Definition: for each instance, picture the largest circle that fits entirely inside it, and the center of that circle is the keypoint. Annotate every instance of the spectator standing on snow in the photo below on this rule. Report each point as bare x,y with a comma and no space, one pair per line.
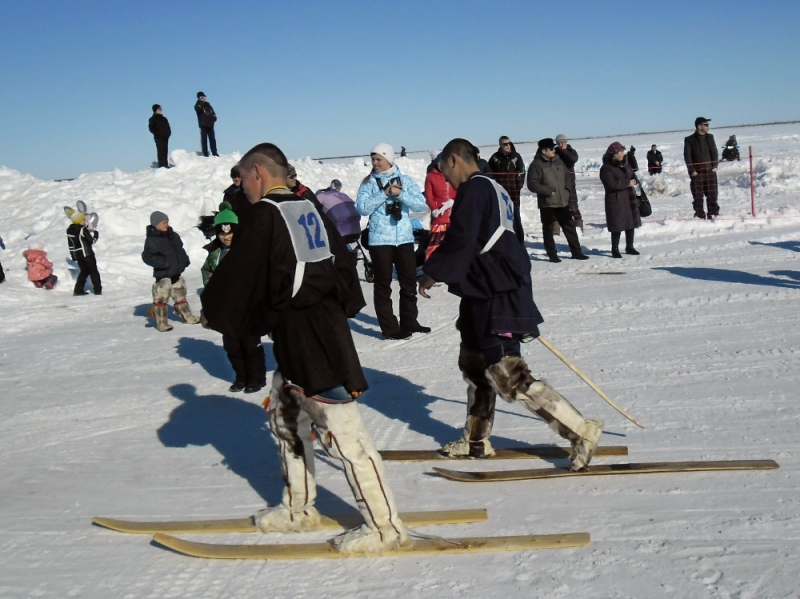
81,241
439,195
2,274
301,190
622,212
508,169
550,179
387,196
631,156
206,117
655,160
245,352
569,157
301,294
159,127
701,158
483,260
163,250
234,195
40,269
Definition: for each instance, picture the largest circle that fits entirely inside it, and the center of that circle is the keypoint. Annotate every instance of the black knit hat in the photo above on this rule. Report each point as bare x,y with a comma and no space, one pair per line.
199,94
156,107
547,143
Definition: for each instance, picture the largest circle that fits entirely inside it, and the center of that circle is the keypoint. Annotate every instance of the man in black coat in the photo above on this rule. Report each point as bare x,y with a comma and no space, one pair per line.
483,260
655,160
206,117
235,195
508,169
289,274
701,157
569,157
159,127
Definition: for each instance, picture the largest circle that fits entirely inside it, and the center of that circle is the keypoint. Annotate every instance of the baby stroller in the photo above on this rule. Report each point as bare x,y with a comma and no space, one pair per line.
341,210
731,149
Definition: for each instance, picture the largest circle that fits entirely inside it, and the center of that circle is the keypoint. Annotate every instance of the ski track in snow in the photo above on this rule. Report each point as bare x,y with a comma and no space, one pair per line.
698,339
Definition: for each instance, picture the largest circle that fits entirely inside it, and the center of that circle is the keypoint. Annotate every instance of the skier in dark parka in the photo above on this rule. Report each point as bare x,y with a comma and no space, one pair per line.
483,260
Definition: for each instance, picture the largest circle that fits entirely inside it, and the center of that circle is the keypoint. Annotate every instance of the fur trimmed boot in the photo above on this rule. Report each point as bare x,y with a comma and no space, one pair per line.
159,312
183,310
513,380
282,519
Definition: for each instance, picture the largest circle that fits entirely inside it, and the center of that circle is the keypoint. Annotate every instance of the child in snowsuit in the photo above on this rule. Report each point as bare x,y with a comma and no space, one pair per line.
163,250
80,240
245,352
40,269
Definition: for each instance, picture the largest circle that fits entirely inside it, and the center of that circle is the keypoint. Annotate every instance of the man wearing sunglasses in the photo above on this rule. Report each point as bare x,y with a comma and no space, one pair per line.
701,157
508,169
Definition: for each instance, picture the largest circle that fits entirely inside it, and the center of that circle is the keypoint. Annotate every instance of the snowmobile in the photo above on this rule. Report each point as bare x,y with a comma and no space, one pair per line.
731,149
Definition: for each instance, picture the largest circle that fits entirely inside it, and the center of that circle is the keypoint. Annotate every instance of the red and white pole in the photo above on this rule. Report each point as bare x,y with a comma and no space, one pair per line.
752,185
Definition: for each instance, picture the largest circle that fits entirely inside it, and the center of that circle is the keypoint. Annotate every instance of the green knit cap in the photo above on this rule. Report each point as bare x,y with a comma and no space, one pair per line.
226,216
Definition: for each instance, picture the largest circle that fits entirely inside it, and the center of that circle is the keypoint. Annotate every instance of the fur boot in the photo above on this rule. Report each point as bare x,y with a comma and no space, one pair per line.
512,380
481,398
181,305
159,313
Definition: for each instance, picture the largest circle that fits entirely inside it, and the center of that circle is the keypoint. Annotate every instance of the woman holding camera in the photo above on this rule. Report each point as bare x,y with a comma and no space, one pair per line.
387,196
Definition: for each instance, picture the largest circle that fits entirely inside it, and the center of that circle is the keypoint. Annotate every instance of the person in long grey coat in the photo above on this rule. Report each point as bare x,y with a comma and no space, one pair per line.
622,213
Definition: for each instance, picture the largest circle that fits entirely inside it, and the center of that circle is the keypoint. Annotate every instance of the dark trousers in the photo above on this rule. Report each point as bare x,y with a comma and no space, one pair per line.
653,170
2,274
403,259
628,239
206,135
161,151
573,201
88,266
705,184
564,218
246,355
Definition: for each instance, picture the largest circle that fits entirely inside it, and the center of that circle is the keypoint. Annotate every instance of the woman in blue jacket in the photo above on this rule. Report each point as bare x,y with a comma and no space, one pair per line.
387,196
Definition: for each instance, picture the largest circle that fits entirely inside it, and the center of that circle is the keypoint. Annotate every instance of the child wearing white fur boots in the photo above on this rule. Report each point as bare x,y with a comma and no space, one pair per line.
163,250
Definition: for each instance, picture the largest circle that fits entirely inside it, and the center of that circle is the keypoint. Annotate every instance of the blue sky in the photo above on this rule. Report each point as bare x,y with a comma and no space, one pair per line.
334,78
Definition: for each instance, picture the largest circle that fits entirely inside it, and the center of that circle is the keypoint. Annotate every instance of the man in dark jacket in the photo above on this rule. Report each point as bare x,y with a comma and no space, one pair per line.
655,160
159,127
631,156
288,274
483,260
163,250
701,157
235,195
550,180
508,169
569,157
206,117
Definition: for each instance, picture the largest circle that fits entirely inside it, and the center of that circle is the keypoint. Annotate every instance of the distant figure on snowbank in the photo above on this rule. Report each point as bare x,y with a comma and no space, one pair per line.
159,127
701,157
206,117
40,269
655,160
2,274
403,153
163,250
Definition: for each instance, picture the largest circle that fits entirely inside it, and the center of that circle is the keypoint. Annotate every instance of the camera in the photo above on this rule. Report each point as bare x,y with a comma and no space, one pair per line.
395,210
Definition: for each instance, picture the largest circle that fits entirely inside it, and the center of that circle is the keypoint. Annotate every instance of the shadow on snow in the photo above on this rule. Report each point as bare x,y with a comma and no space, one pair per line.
721,275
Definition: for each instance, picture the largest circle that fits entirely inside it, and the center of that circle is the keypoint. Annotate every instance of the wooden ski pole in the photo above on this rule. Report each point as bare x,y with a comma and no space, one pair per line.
587,380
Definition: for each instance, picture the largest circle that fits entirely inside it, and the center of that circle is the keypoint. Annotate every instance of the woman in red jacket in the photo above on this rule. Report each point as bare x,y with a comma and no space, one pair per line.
439,195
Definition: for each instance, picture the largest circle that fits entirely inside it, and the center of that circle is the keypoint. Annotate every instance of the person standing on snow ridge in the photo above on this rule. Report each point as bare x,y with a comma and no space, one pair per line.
701,158
290,275
439,195
159,127
550,180
245,352
2,274
483,260
80,241
387,196
569,157
655,160
206,117
508,169
163,250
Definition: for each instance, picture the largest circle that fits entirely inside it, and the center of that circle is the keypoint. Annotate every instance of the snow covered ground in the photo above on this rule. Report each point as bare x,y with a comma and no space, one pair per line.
100,414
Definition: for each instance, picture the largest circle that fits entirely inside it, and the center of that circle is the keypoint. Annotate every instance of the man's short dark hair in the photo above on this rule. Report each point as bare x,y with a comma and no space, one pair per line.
267,155
460,147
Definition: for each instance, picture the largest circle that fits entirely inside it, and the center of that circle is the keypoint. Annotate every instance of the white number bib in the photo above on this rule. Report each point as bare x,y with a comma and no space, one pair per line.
308,235
506,208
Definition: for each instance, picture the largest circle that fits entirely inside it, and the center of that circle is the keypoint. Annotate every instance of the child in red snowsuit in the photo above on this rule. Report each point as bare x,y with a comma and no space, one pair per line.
40,269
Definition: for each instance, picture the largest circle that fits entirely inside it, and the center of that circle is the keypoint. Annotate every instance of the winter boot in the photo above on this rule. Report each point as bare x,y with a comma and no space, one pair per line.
178,292
160,314
512,380
237,385
615,253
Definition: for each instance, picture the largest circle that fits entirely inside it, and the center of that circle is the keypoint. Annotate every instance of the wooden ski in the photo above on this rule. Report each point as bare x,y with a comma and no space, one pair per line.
511,453
632,468
416,547
343,521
